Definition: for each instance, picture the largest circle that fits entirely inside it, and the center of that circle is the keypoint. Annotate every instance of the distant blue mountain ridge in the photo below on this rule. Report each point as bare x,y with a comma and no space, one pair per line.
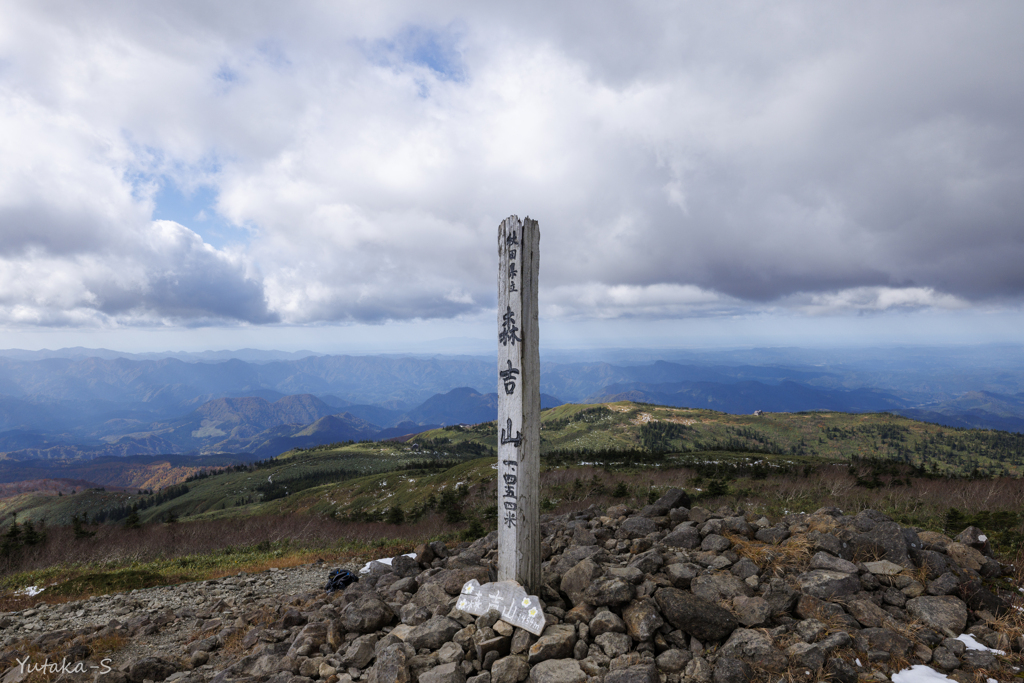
82,405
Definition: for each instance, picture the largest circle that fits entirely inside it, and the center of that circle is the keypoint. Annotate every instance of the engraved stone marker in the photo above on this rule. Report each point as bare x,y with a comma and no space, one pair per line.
509,598
518,403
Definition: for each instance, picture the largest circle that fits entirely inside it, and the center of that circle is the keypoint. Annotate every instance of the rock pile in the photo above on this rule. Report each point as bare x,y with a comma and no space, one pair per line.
667,593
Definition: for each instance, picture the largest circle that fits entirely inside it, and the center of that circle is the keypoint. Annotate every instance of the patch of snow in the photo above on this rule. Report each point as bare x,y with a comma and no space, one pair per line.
919,673
982,538
383,560
30,591
972,644
858,662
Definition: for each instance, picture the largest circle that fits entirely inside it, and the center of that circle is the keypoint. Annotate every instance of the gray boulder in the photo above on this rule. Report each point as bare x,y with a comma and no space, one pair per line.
719,586
556,642
944,613
638,673
828,585
642,620
885,540
696,616
732,670
755,647
606,622
611,591
557,671
445,673
433,633
151,668
636,527
366,615
577,580
511,669
684,537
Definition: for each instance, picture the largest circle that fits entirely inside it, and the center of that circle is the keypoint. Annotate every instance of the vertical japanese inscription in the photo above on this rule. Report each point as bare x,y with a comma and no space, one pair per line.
518,377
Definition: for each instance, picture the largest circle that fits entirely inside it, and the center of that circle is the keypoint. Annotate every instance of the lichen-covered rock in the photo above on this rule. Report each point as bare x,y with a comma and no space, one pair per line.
752,611
870,640
511,669
806,655
392,665
638,673
673,660
886,539
556,642
647,562
828,585
756,648
642,620
868,613
557,671
673,498
719,586
636,527
732,670
965,556
360,653
606,622
683,537
696,616
445,673
946,614
824,560
577,580
682,574
150,668
715,543
611,591
433,633
366,615
613,644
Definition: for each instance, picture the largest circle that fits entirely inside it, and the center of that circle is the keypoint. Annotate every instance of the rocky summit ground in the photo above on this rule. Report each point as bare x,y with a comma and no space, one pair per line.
668,593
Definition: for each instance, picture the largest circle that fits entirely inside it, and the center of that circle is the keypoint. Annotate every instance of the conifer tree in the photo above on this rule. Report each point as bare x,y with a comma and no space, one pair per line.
132,522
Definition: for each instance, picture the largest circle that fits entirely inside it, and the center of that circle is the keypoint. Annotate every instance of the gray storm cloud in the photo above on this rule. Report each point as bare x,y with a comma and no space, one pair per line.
683,159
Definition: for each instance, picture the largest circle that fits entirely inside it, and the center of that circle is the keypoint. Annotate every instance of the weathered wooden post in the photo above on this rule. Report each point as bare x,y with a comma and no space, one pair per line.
518,403
518,437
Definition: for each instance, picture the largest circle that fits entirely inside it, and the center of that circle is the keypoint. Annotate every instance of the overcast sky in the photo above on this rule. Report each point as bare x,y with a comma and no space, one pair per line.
325,174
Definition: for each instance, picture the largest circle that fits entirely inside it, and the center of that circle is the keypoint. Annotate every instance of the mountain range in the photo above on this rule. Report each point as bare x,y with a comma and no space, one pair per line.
76,403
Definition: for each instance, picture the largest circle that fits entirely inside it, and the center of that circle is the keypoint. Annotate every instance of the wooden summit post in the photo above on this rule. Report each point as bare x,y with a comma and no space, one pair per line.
518,403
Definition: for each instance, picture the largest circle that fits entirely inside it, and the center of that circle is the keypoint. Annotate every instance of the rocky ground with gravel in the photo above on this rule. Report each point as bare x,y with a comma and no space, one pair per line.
670,593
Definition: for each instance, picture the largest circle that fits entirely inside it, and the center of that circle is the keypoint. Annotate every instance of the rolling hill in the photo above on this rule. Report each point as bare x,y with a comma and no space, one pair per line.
613,435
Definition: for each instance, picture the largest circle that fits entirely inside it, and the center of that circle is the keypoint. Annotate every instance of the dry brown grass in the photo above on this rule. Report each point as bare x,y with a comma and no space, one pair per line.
108,644
793,554
1011,624
308,537
233,644
100,647
13,603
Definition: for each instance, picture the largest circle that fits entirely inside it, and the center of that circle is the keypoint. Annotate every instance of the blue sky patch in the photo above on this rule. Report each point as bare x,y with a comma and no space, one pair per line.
196,210
435,49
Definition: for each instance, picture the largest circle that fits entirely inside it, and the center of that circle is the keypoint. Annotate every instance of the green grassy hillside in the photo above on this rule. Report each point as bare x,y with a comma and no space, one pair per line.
379,476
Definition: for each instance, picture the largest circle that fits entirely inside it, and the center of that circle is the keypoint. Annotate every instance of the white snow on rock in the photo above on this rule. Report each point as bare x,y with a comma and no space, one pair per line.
982,537
972,644
919,673
383,560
